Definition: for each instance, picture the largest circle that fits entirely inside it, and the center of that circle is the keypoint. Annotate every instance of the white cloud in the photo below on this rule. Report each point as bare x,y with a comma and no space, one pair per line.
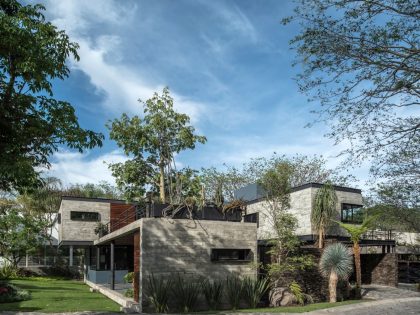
72,167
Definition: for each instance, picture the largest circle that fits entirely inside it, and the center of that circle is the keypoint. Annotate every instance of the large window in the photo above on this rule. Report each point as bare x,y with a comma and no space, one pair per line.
230,254
351,213
84,216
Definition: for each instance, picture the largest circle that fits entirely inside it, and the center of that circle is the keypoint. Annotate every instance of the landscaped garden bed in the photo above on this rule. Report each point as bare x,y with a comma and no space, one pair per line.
53,295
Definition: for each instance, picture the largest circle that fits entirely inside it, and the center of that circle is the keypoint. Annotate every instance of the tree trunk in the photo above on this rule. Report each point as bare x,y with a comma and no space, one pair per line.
321,238
162,182
332,287
356,252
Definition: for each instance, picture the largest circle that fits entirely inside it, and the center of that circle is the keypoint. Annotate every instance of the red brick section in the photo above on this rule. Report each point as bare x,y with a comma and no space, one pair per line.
121,215
136,265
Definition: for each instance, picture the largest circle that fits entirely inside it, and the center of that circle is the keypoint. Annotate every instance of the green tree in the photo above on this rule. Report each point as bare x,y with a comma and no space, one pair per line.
356,232
336,263
324,210
101,190
33,124
360,60
152,141
19,232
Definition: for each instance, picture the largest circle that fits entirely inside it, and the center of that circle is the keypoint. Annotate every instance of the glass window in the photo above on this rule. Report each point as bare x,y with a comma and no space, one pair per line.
84,216
351,213
229,254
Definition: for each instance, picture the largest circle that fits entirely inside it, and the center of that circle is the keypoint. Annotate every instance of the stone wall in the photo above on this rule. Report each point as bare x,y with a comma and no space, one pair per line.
70,230
380,269
182,246
301,202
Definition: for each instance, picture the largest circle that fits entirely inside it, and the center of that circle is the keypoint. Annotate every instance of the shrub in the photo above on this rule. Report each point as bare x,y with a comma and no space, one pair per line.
212,292
129,293
10,293
234,289
158,291
297,292
186,293
129,277
254,290
8,271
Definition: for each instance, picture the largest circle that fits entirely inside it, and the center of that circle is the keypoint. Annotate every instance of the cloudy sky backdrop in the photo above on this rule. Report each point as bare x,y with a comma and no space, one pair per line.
227,64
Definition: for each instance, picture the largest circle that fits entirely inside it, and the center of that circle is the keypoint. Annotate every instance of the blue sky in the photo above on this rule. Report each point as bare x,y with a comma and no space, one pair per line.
227,64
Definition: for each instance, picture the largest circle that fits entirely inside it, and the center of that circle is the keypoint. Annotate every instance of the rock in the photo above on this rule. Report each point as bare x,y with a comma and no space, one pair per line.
281,296
288,299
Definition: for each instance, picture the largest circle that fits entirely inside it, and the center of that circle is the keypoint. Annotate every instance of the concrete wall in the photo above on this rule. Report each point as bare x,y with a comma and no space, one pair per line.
301,203
380,269
183,246
70,230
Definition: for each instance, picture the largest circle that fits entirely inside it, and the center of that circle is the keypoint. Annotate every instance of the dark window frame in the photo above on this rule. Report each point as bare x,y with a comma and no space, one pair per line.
349,207
231,255
85,216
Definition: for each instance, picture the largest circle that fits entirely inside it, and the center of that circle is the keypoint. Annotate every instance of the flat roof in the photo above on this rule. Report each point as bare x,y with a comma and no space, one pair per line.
318,185
97,200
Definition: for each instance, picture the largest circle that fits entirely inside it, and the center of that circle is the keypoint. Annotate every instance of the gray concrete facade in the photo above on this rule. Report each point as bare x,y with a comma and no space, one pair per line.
301,203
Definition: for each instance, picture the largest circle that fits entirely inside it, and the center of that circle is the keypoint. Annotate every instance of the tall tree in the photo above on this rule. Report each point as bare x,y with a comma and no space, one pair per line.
33,123
324,210
361,61
356,232
152,141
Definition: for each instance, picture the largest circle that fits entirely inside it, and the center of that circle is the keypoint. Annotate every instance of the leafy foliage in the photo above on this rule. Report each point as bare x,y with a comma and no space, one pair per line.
185,292
324,210
213,292
33,124
234,288
356,231
158,291
152,141
8,271
297,292
360,60
336,258
10,293
254,289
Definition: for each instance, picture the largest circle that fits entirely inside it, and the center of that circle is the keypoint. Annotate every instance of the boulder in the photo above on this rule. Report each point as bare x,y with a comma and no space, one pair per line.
281,296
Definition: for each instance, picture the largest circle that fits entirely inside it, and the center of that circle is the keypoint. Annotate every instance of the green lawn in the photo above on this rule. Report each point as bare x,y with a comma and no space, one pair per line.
299,309
50,295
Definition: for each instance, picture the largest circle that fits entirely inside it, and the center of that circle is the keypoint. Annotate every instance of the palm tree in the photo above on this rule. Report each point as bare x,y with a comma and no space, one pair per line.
324,210
356,232
336,263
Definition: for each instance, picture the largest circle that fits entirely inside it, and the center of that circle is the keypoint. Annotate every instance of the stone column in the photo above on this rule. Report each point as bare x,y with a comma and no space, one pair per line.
136,278
112,266
71,256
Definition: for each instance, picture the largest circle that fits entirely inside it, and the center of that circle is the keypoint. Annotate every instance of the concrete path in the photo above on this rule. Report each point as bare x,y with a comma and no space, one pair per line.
379,292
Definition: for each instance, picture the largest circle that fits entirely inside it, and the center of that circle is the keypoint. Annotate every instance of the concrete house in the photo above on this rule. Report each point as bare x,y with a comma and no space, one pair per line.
139,239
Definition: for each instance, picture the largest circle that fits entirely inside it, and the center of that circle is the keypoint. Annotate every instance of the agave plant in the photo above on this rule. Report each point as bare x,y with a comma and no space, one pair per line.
336,263
234,288
158,290
254,290
185,292
212,292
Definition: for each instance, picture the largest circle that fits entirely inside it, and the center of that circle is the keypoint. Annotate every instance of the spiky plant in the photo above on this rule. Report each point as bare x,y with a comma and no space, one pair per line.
158,290
324,210
185,292
254,290
234,289
336,263
356,232
212,292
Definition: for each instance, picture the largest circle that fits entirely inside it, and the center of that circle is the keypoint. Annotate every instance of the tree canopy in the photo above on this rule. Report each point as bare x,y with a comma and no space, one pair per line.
360,60
151,141
33,124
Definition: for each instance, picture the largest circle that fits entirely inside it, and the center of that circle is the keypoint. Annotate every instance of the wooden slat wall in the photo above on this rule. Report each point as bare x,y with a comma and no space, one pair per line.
120,216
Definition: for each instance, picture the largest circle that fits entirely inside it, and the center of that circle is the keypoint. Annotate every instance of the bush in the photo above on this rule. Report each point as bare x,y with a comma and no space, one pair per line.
297,292
212,292
158,291
254,290
10,293
186,292
129,277
129,293
8,271
234,288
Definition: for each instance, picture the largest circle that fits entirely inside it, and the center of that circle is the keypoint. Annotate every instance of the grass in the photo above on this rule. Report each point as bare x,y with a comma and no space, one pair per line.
54,295
299,309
